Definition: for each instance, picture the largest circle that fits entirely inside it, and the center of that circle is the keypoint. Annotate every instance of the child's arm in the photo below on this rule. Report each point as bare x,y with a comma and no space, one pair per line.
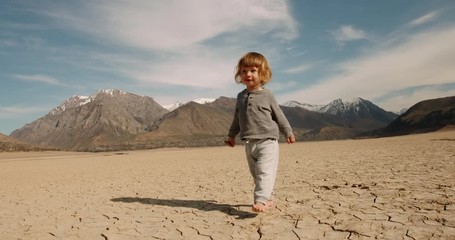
234,129
282,121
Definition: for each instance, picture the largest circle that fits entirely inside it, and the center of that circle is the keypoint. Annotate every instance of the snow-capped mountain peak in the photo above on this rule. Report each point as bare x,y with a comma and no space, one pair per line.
306,106
203,100
77,100
354,100
73,101
172,107
342,105
335,107
111,92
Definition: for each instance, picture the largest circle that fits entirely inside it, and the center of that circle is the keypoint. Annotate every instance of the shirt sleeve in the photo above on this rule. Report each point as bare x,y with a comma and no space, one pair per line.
280,118
235,126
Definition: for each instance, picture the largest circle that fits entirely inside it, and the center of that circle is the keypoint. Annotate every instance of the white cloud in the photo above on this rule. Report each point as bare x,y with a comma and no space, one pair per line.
175,24
210,72
172,36
424,19
298,69
348,33
199,67
37,78
423,59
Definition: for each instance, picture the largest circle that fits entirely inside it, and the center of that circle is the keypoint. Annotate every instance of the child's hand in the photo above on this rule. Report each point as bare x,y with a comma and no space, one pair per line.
230,142
291,139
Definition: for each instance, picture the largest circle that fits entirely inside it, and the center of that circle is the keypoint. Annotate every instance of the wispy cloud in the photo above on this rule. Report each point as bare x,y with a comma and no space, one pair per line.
22,26
178,40
298,69
16,111
424,19
421,59
37,78
348,33
173,25
209,72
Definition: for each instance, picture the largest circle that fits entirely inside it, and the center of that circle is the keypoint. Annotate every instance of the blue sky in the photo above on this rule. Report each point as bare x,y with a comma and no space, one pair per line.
393,53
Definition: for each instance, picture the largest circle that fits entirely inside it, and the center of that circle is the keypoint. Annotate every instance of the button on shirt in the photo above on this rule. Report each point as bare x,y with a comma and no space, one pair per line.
258,116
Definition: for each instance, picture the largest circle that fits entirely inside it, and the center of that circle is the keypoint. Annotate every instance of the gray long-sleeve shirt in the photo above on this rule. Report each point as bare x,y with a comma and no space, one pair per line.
258,116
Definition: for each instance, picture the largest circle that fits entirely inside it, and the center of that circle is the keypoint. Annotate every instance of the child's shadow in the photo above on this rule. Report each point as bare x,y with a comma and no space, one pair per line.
197,204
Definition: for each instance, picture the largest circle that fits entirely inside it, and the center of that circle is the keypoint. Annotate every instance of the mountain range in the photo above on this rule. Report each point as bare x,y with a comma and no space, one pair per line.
425,116
112,120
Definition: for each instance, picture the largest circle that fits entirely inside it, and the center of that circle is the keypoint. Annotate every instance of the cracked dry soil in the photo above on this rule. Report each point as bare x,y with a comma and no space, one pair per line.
390,188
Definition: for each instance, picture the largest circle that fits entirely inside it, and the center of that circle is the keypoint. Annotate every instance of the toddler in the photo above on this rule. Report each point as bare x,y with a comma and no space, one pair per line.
259,120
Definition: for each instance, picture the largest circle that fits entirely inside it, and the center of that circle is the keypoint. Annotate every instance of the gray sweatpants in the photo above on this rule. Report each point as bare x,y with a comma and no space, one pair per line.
262,156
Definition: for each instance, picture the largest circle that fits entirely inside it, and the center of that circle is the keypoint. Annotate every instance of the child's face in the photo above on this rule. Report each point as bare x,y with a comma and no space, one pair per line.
250,77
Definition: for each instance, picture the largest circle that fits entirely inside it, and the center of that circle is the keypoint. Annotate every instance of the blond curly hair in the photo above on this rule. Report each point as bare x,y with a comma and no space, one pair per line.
254,59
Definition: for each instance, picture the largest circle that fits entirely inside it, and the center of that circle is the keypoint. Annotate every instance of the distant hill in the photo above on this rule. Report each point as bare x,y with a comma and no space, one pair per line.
8,144
426,116
307,124
192,124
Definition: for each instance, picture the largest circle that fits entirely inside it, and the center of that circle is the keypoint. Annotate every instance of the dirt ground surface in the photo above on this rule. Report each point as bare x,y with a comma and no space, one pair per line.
388,188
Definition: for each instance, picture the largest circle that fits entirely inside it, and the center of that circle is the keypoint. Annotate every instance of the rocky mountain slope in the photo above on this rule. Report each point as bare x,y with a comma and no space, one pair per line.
426,116
357,112
172,107
108,116
339,119
192,124
310,107
309,125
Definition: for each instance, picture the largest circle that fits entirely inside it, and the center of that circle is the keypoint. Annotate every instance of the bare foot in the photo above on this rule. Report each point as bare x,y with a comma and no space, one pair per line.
261,207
